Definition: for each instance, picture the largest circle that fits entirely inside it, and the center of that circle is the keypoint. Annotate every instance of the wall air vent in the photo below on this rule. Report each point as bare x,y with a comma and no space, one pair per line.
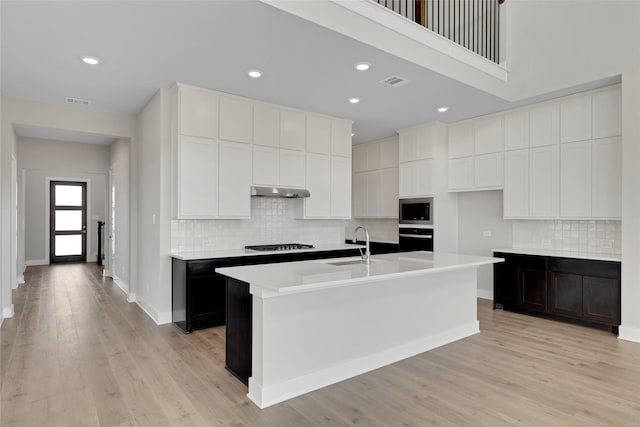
77,101
395,81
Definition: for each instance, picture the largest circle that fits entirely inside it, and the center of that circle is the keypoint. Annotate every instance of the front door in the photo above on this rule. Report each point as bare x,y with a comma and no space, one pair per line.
68,223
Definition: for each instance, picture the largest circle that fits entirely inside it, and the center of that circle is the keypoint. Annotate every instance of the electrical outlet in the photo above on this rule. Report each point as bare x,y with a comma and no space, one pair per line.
486,233
607,244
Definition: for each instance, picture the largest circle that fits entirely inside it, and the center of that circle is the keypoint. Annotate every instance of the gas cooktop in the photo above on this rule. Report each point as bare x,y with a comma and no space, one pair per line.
278,247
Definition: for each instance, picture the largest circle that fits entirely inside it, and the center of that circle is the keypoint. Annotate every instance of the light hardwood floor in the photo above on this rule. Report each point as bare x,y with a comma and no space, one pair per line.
76,353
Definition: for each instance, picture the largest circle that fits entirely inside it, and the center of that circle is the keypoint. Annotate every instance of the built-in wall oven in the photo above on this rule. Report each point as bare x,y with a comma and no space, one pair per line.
415,239
415,231
416,211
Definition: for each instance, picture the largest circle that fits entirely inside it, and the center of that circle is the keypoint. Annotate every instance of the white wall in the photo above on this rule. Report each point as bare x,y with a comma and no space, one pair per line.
118,212
479,212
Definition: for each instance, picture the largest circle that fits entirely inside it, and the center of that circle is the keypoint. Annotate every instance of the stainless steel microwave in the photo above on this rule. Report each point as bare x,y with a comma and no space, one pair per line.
416,211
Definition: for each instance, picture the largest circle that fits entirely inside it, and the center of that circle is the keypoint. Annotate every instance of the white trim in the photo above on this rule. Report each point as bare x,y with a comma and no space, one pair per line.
8,312
31,262
161,318
264,397
21,280
629,333
107,273
485,294
131,297
121,284
404,26
47,200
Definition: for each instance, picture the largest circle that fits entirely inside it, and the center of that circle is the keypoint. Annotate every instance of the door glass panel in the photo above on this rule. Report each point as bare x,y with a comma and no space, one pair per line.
68,220
69,245
68,195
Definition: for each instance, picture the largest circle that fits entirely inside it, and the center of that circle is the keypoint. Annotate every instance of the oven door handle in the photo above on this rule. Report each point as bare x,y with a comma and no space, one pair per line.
416,236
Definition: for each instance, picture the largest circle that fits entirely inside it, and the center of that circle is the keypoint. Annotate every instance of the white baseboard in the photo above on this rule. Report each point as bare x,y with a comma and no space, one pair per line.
485,294
21,280
36,262
276,393
121,284
8,312
161,318
107,273
629,333
131,297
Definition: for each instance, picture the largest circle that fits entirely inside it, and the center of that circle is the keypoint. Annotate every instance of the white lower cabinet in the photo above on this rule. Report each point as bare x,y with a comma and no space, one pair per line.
606,187
340,187
516,184
575,180
234,180
197,180
543,182
416,178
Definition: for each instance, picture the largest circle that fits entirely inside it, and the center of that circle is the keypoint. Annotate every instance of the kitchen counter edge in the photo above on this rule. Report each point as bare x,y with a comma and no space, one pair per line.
561,254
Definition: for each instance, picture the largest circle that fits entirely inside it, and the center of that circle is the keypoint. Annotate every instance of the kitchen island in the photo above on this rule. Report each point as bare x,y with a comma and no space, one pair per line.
309,324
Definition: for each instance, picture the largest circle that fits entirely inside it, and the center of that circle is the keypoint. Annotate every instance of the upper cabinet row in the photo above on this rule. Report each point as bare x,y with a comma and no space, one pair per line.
224,144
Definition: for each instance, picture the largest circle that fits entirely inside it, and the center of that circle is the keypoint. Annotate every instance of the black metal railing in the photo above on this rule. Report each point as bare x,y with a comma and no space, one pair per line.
473,24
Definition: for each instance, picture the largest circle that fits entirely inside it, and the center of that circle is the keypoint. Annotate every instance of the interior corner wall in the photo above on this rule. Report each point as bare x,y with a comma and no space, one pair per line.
7,151
445,212
480,212
118,246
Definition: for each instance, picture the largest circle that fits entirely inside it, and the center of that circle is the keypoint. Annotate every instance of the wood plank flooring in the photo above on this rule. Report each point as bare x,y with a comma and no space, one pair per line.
77,354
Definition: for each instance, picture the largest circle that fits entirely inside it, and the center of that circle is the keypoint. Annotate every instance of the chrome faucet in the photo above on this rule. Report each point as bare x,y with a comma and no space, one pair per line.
366,256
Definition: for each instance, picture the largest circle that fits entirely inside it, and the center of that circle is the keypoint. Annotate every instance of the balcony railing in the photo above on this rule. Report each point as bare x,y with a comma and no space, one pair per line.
473,24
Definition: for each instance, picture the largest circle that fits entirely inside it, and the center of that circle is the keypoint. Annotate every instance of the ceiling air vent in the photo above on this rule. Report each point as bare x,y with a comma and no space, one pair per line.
395,81
77,101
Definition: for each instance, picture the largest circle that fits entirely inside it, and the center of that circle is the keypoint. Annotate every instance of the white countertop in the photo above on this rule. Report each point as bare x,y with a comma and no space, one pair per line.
303,276
227,253
561,254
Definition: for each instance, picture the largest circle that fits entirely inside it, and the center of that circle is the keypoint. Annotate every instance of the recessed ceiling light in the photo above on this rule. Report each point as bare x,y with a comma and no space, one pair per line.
362,66
442,109
354,100
91,60
254,73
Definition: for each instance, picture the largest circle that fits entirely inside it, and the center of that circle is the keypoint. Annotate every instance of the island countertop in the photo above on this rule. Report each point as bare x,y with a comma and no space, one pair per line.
302,276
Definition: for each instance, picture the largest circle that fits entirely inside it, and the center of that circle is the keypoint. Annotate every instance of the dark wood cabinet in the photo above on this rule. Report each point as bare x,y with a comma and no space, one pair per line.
584,291
238,333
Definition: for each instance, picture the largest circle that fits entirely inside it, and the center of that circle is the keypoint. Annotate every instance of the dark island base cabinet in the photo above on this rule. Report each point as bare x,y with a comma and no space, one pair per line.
238,333
574,290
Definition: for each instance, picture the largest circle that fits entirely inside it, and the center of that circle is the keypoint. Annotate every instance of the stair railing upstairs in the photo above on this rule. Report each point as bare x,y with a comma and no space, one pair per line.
473,24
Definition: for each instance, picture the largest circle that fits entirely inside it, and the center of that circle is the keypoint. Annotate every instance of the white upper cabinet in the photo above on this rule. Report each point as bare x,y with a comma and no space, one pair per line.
575,119
606,187
575,180
543,182
460,174
292,130
460,140
340,187
375,179
488,171
266,125
266,165
319,185
236,120
372,151
544,125
360,194
234,180
198,113
607,113
197,186
389,153
416,178
359,158
318,134
487,135
516,184
388,193
341,138
292,168
414,144
516,130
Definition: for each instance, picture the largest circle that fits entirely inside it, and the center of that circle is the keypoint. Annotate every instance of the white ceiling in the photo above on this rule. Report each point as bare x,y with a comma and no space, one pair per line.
148,45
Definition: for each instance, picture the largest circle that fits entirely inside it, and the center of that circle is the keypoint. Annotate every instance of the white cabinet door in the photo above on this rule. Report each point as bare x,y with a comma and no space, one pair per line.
575,179
408,145
607,113
319,185
340,187
460,174
318,134
360,194
389,153
606,178
373,156
543,125
292,168
460,140
487,135
234,180
488,171
266,164
266,125
292,130
341,138
543,182
516,130
425,177
197,177
198,113
408,180
373,194
236,120
388,193
575,119
516,184
359,158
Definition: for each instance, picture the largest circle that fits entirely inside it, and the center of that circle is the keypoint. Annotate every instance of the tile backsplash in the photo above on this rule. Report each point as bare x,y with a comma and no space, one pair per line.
566,235
272,221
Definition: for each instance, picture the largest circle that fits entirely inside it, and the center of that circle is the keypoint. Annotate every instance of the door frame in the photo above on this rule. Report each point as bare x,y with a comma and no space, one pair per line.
47,216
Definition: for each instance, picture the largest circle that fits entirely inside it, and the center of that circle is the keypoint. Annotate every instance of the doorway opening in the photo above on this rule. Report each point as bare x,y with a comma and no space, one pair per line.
68,221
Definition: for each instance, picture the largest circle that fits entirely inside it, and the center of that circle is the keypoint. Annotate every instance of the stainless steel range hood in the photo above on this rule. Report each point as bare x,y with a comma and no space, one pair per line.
289,193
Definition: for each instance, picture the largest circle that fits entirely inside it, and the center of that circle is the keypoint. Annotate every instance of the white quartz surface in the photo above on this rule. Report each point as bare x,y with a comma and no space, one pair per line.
311,275
227,253
561,254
